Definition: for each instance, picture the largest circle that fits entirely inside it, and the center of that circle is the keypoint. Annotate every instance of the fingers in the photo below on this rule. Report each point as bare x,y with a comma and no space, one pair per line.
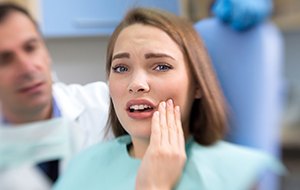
163,124
179,130
172,131
168,124
155,136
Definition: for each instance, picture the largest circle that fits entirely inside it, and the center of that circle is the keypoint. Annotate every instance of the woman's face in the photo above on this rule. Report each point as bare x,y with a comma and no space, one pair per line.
148,67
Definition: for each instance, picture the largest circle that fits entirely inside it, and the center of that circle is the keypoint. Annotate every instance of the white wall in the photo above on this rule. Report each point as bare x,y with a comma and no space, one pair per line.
78,60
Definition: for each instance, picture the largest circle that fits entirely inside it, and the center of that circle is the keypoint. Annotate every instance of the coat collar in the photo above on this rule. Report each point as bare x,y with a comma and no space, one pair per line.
67,104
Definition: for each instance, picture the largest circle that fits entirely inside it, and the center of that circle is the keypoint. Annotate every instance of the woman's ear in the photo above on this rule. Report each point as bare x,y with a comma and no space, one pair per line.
198,93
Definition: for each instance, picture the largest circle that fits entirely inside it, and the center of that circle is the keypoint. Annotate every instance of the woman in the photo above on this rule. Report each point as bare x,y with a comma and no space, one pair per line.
161,82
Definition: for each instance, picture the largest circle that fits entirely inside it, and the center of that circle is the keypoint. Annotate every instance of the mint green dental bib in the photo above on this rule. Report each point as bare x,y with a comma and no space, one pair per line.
218,167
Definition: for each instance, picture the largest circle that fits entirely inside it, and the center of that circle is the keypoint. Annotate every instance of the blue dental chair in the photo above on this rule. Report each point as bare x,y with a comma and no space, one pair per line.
249,67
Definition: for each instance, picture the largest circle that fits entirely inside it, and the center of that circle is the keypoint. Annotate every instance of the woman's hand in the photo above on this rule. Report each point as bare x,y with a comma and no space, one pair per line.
165,157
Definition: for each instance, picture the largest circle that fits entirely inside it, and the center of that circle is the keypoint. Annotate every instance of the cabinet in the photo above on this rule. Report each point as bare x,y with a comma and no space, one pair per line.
73,18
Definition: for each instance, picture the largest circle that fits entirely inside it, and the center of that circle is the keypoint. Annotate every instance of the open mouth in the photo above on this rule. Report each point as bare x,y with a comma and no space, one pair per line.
140,108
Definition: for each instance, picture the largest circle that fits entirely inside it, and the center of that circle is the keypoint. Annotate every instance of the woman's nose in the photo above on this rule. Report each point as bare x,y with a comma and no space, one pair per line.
138,84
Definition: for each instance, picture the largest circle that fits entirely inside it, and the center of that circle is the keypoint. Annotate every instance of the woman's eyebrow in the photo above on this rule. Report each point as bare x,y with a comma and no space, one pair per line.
157,55
121,55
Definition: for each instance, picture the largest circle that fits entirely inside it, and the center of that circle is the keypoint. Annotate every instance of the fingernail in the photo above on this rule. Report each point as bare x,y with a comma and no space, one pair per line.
163,104
177,109
155,114
170,102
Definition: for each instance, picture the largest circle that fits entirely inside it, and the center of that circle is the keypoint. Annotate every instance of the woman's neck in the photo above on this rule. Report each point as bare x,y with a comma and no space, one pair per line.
139,147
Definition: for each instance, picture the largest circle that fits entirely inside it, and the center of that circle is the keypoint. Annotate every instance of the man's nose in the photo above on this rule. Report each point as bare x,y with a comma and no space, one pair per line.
24,62
25,67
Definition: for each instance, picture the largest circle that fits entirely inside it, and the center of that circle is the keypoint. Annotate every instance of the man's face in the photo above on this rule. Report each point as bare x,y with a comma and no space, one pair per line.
25,76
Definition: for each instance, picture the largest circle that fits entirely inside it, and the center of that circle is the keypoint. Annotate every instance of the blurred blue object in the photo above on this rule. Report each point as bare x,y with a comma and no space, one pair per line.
249,67
242,14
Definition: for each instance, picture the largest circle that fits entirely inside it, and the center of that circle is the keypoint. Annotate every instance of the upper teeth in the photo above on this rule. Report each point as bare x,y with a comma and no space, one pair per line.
139,107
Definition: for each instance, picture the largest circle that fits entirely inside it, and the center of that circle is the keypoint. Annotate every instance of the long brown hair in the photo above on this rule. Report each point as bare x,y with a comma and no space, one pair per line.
208,117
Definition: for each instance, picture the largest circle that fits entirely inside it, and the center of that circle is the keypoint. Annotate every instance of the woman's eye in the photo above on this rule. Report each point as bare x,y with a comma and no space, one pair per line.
120,69
163,67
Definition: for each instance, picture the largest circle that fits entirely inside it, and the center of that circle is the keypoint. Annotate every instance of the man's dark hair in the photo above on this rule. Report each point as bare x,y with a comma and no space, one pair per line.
8,8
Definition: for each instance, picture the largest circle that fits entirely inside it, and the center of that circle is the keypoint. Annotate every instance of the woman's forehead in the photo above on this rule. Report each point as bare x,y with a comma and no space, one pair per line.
145,38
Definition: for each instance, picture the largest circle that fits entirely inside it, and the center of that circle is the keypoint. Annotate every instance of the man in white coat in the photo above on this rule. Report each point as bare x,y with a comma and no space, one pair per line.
42,125
27,95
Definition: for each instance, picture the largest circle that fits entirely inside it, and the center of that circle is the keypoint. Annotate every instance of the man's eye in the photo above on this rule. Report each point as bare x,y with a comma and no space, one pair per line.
30,48
6,58
120,69
163,67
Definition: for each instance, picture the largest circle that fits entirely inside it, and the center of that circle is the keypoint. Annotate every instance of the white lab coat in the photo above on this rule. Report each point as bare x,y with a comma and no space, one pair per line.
86,106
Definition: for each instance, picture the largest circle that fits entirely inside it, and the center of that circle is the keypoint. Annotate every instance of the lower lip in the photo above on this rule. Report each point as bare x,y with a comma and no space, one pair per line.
32,90
140,115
